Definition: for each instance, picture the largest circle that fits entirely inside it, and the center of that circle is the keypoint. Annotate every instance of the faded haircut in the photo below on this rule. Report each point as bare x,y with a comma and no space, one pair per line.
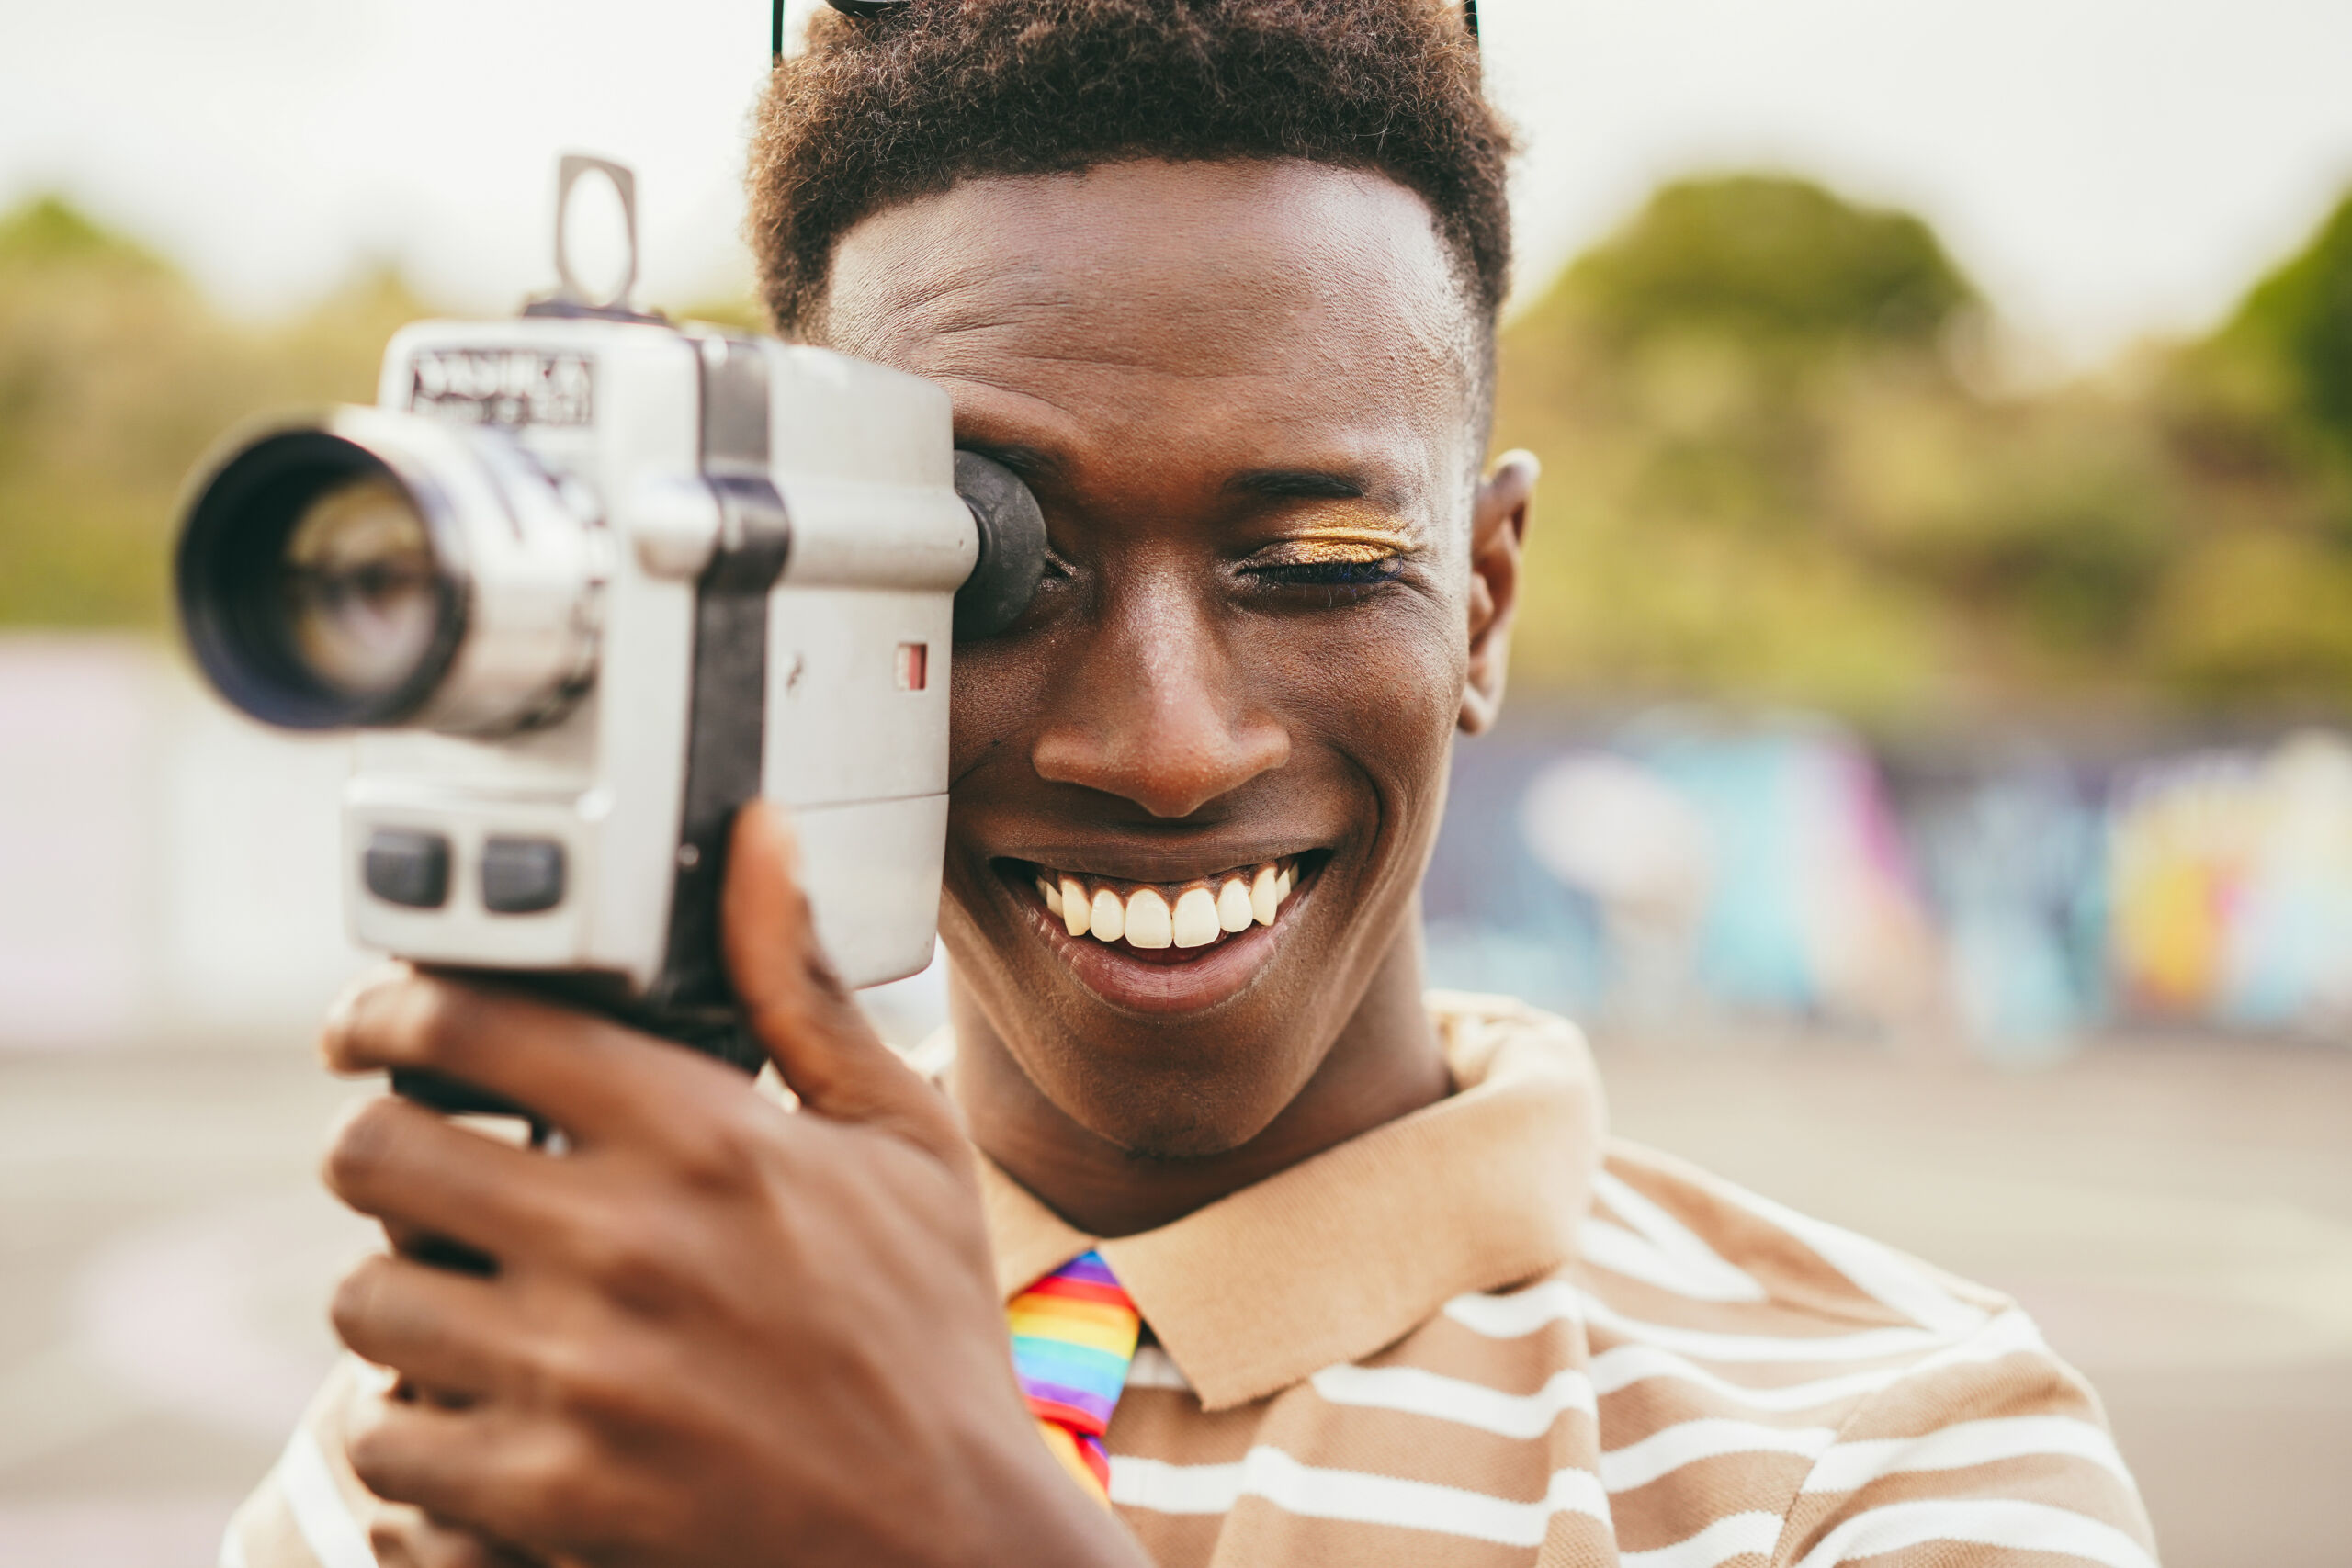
879,110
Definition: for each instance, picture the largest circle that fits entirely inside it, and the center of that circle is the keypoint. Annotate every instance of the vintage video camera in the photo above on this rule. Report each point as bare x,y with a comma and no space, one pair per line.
586,582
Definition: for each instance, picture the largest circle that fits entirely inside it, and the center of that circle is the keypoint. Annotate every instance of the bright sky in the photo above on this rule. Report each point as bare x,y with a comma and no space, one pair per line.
2105,168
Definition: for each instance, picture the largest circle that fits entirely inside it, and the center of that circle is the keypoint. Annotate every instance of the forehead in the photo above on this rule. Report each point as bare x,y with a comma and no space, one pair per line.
1264,302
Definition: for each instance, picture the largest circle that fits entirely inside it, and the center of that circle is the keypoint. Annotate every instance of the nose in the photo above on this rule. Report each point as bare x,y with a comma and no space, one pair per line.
1154,709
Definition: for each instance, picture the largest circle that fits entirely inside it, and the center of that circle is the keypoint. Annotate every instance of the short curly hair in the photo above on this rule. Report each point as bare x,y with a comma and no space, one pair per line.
878,110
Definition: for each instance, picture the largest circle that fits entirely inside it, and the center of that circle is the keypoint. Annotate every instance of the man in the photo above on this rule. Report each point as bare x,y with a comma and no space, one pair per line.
1299,1264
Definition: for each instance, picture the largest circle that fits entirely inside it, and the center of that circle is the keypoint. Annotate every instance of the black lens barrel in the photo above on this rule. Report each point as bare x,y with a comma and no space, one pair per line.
227,582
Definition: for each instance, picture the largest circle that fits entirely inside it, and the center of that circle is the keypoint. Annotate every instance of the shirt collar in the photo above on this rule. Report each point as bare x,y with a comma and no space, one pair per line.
1344,1253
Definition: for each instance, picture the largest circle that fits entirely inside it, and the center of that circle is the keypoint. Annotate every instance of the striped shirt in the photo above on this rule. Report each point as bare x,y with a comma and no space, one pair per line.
1486,1334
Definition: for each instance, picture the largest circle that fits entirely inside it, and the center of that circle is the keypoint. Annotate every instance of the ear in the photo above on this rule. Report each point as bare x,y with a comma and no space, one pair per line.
1497,534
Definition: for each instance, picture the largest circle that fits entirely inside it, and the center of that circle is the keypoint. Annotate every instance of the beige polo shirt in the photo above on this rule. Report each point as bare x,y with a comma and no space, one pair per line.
1485,1334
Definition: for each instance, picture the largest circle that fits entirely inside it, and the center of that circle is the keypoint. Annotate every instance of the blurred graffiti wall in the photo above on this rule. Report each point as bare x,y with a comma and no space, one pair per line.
1685,870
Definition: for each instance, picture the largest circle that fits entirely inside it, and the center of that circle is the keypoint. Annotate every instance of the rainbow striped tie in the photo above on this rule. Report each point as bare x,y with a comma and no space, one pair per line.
1073,1334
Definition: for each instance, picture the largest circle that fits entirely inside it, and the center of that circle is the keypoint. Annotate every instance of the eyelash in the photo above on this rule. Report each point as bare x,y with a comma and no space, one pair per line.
1341,581
1354,577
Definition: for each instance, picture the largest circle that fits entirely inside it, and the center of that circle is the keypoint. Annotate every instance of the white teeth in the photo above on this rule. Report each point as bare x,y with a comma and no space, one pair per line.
1263,899
1197,920
1201,914
1148,923
1110,917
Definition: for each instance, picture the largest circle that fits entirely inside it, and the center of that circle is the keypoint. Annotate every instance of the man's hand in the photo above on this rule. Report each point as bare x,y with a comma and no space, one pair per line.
718,1332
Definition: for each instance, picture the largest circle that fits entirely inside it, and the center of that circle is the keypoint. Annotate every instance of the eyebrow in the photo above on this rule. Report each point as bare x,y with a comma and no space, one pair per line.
1298,484
1028,463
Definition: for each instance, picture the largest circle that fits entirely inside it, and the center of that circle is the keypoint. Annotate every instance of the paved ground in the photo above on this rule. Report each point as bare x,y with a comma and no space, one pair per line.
2178,1215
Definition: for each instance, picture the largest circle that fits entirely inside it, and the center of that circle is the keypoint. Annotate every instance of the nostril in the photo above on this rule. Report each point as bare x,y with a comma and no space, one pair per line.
1165,771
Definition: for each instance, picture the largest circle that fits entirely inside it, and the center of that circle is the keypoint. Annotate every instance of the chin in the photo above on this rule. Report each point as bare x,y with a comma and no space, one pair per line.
1188,1104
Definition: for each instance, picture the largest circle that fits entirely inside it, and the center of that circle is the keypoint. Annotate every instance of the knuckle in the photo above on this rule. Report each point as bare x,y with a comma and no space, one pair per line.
400,1537
362,1146
377,1459
587,1380
729,1150
347,1020
355,1305
436,1018
549,1486
627,1253
823,977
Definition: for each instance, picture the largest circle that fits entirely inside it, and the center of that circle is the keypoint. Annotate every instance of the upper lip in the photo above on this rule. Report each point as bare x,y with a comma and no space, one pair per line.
1133,863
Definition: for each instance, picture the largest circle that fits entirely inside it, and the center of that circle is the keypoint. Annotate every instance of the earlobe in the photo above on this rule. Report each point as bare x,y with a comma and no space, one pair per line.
1498,534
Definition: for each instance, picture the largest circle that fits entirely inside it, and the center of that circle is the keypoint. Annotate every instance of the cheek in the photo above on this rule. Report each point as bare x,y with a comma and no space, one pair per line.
1381,686
991,688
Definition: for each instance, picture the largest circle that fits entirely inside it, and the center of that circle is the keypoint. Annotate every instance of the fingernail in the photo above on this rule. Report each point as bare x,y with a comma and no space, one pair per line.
345,1009
776,822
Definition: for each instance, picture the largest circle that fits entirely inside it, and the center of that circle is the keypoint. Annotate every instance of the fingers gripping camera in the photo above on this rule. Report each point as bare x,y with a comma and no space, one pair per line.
584,582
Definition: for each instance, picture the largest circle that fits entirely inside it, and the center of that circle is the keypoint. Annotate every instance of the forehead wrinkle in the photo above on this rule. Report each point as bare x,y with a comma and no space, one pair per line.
1347,260
1161,332
1130,428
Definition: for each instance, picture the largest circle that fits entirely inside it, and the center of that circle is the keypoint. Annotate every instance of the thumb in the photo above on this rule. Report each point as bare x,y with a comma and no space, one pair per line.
812,1029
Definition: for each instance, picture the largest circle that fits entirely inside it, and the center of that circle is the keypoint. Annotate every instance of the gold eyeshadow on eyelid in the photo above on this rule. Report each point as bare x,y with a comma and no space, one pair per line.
1340,546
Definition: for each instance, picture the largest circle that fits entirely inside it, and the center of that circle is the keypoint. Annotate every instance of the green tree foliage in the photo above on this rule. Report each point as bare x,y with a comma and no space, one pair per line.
1766,479
1769,262
2297,323
115,376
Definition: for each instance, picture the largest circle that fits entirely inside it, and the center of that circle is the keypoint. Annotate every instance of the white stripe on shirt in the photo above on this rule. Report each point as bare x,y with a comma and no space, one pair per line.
2020,1526
1353,1495
1658,1249
1709,1436
1520,1312
1734,1535
1418,1393
1909,1287
1623,1366
316,1502
1851,1465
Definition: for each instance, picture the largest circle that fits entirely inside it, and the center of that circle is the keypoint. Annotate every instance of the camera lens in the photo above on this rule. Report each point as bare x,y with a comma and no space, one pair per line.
312,587
360,588
380,569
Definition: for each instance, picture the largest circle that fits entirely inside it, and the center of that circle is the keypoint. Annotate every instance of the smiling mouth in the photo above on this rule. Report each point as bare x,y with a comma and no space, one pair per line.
1161,918
1165,947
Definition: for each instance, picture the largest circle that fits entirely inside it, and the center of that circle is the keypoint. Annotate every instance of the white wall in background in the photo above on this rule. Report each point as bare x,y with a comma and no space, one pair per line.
167,869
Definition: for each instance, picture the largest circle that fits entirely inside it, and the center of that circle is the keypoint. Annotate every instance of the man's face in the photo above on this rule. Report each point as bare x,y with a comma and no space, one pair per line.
1239,392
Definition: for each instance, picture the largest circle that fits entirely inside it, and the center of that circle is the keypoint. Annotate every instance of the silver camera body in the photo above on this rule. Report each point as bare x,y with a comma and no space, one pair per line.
586,581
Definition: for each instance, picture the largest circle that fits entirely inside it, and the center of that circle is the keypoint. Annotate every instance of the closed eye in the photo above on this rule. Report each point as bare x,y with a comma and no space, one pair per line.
1345,565
1327,574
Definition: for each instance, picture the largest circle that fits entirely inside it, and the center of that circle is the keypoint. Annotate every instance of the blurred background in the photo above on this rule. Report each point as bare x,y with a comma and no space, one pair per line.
1930,770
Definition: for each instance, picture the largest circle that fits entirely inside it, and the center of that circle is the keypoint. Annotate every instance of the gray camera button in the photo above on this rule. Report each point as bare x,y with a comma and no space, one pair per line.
521,877
406,867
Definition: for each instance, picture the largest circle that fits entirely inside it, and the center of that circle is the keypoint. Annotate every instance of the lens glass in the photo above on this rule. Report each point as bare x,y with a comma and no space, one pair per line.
359,587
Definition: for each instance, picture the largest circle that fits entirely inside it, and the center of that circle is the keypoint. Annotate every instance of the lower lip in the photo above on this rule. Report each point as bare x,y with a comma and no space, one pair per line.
1166,980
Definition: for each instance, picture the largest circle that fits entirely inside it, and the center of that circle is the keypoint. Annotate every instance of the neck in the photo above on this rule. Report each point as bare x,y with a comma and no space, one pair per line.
1385,1063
